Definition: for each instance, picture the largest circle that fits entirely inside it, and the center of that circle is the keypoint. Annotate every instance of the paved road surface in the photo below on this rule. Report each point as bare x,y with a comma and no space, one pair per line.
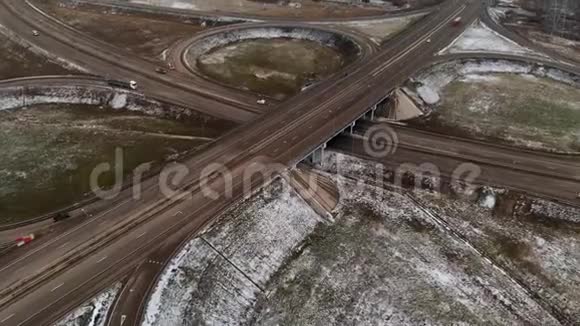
555,177
510,34
286,135
107,60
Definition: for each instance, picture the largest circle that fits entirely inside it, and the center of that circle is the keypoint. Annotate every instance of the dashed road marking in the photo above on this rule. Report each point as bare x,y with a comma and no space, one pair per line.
56,287
5,319
140,235
103,258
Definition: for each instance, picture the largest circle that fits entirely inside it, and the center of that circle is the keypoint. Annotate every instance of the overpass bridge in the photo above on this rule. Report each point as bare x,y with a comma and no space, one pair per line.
544,175
54,278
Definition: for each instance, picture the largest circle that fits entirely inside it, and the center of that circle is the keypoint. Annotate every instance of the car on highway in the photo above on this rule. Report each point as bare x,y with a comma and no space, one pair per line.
456,21
60,216
133,84
307,85
428,40
24,240
35,32
261,101
160,70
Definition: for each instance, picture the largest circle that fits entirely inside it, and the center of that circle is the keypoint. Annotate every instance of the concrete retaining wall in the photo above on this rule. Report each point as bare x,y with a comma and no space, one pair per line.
23,96
349,47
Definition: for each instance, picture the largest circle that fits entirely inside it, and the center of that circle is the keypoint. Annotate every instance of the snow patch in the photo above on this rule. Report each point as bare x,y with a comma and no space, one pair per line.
429,83
21,97
488,201
94,312
428,94
200,50
555,210
216,278
119,101
480,38
267,74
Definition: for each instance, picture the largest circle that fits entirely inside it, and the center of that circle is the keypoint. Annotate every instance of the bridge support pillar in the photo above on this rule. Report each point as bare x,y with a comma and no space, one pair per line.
349,130
318,155
373,110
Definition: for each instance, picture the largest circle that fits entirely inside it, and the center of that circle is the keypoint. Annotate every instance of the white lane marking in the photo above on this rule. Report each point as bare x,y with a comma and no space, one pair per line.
417,43
140,235
100,260
178,213
47,244
5,319
45,267
61,284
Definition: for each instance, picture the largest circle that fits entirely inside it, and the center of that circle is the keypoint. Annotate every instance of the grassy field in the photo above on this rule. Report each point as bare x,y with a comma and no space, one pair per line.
538,250
17,61
521,110
384,260
274,67
49,152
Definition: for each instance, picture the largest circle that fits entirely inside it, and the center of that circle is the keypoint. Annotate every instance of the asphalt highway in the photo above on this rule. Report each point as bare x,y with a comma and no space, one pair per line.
551,176
62,272
241,17
103,59
510,34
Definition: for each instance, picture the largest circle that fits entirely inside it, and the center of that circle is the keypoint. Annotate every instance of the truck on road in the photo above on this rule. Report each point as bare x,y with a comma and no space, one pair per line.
456,21
122,84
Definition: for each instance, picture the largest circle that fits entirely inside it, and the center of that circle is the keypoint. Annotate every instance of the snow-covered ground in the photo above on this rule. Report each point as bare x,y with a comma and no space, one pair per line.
94,312
533,241
536,246
555,211
480,38
387,258
98,95
217,277
501,101
322,36
430,82
380,30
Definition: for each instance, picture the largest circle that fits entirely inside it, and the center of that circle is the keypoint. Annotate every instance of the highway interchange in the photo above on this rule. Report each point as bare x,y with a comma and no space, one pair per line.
60,272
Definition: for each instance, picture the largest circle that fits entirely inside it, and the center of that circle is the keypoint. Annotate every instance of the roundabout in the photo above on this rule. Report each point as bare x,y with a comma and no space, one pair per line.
274,60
